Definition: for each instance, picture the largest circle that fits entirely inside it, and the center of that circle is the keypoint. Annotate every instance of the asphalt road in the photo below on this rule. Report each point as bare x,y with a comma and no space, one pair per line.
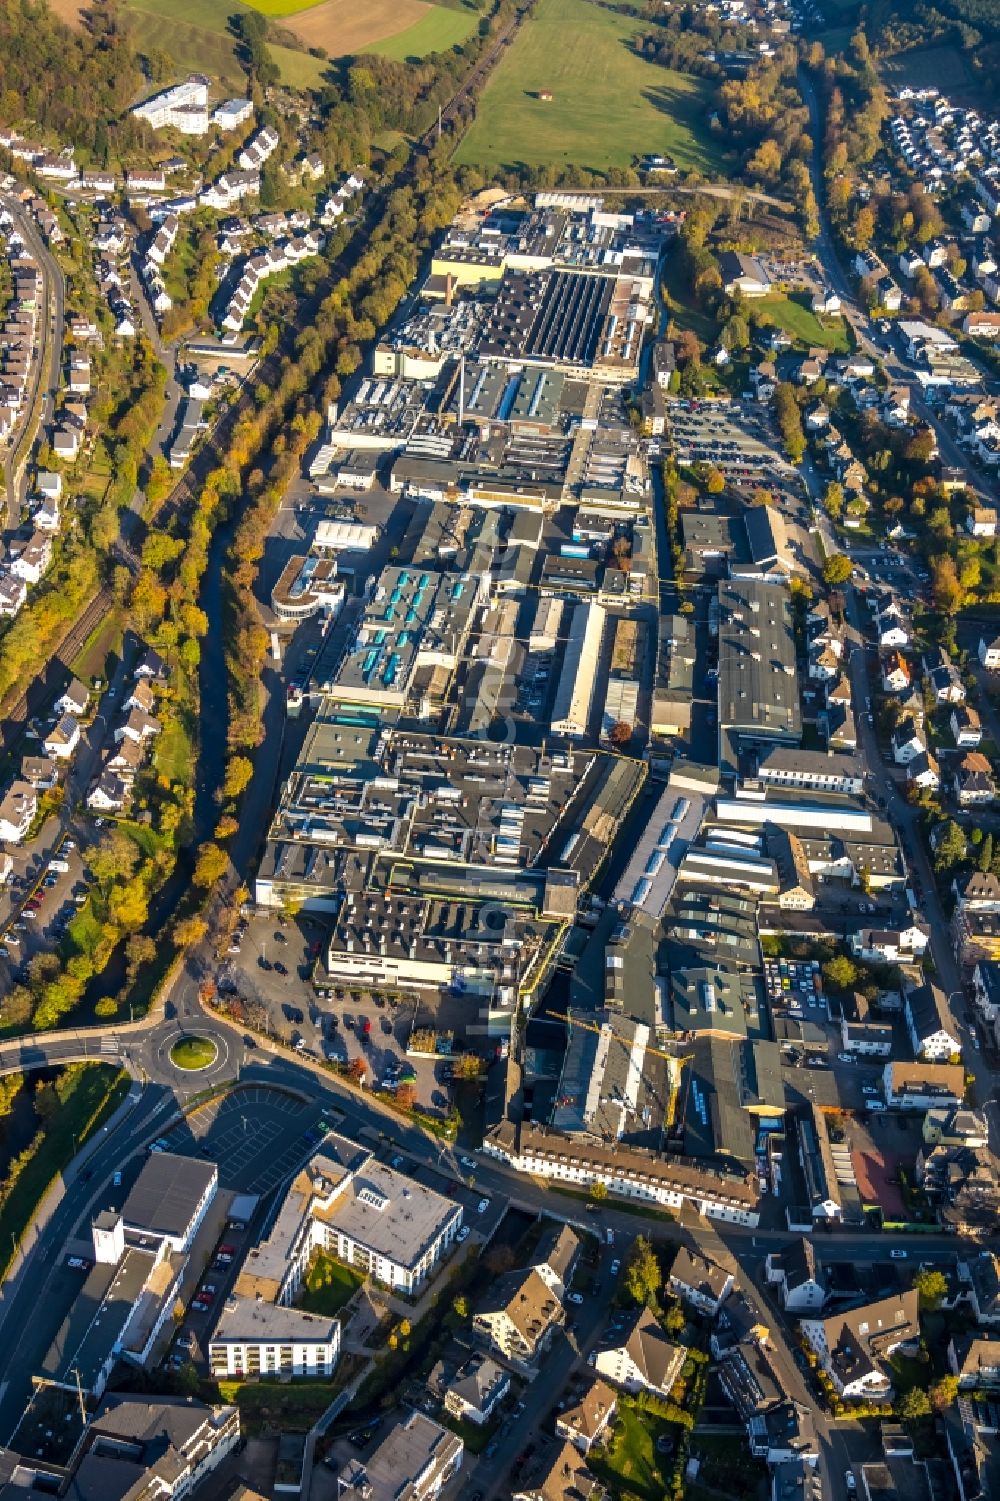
46,369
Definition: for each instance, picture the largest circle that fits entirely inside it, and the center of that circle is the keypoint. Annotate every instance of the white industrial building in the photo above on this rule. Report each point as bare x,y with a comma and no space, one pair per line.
345,536
575,692
826,814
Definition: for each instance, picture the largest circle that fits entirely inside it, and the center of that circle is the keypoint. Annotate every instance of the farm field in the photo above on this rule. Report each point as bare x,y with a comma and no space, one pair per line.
608,105
195,33
437,31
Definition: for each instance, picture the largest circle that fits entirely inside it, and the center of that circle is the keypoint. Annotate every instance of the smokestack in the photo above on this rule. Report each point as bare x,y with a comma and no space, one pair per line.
449,290
461,390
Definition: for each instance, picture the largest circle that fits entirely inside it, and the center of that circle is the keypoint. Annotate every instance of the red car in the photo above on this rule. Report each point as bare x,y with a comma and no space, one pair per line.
226,1250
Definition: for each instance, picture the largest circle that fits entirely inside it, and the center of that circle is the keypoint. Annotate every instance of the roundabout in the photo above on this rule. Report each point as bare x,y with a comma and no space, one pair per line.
193,1053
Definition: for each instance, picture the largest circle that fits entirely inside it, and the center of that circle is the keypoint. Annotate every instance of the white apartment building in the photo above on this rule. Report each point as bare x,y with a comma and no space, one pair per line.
347,1203
183,108
266,1339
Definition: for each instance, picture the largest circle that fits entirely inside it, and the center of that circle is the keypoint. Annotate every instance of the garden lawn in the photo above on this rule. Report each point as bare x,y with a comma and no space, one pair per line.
794,315
328,1285
608,106
630,1466
438,31
268,1406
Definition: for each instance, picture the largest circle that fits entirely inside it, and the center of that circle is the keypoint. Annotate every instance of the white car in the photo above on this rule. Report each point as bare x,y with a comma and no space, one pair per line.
616,1267
897,1254
849,1481
484,1204
574,1298
468,1162
463,1234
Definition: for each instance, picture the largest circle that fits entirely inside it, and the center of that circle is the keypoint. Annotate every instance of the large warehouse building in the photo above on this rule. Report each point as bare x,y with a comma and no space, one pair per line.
575,693
758,678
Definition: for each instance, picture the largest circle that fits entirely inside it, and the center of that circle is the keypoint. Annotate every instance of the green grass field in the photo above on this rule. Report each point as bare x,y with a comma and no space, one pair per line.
608,105
800,323
195,33
438,31
193,1053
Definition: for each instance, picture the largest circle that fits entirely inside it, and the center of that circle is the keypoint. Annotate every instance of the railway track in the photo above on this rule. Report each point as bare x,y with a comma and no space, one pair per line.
38,694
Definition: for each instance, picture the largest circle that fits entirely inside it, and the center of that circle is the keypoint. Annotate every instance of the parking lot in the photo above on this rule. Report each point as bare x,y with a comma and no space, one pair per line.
258,1136
733,437
273,968
38,905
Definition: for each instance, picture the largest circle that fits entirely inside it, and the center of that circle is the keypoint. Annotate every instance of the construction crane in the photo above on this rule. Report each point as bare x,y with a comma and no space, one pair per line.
675,1063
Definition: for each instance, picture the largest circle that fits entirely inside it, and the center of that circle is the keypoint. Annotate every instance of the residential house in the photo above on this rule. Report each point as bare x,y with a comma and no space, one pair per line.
142,697
17,811
924,773
74,699
853,1347
565,1478
923,1086
32,559
962,1185
932,1030
109,793
966,726
900,945
861,1032
908,742
138,1446
555,1258
989,652
585,1421
943,679
478,1388
895,673
794,1273
700,1281
981,1274
414,1461
977,891
644,1359
40,772
986,989
955,1127
982,521
518,1316
975,1360
973,781
138,726
13,593
63,738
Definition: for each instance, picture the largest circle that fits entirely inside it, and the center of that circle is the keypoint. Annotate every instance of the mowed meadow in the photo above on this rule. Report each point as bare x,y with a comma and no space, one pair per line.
608,104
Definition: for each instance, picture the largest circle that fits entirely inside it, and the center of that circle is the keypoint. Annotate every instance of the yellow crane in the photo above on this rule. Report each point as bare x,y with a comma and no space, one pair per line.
675,1063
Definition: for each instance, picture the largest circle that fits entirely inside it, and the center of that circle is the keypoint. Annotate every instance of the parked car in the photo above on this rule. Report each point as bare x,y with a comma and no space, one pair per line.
483,1205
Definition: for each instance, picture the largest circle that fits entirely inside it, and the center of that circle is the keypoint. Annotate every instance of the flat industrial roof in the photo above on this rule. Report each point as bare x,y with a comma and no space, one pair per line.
167,1193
